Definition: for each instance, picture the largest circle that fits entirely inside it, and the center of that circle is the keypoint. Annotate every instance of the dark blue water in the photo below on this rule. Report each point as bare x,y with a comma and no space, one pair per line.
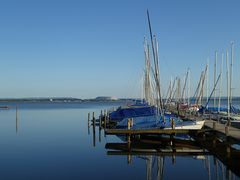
51,141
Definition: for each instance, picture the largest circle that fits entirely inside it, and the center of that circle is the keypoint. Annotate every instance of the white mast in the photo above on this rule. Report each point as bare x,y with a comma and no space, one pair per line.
207,81
214,81
188,87
227,86
231,73
220,88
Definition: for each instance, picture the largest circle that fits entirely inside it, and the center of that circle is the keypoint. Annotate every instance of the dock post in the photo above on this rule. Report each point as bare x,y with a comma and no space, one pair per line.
129,159
105,120
94,130
214,142
93,121
129,136
173,159
214,125
130,123
108,117
88,119
172,123
227,130
228,151
100,119
16,119
100,122
100,135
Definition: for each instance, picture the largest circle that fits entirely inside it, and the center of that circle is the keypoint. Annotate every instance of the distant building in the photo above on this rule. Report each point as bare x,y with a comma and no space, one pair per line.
105,98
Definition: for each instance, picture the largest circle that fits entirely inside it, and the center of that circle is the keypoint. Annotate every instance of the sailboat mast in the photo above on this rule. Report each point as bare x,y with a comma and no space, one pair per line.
214,81
207,81
231,73
156,69
184,87
227,86
189,86
220,88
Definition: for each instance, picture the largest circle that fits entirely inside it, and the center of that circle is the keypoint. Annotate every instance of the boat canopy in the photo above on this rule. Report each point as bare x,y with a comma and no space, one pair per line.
132,111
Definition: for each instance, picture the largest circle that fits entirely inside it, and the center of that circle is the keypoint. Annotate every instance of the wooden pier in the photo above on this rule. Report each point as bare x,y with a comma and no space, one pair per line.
223,129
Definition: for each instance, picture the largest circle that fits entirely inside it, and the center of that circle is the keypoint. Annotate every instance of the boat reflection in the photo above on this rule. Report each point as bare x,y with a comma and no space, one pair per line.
155,150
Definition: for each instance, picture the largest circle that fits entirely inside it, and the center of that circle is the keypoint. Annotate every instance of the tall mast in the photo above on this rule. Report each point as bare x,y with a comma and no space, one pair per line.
227,88
214,80
207,81
156,69
231,74
220,88
184,87
189,86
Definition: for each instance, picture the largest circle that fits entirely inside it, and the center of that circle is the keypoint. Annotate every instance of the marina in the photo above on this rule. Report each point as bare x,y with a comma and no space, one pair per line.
120,90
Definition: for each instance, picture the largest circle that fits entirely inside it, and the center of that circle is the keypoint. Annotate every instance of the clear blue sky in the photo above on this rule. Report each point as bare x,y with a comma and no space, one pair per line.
89,48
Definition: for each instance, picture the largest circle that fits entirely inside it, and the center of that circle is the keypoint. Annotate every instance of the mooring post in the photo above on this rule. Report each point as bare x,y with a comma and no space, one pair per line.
226,130
173,159
105,120
88,120
108,117
172,123
100,122
129,123
100,134
93,120
228,151
214,142
94,137
204,136
129,159
214,125
16,119
100,119
94,129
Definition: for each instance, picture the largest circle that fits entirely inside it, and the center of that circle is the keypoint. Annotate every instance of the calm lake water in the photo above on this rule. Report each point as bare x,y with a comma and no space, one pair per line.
51,141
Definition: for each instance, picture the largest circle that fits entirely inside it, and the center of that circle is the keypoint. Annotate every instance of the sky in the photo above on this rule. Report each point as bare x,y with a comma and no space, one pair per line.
90,48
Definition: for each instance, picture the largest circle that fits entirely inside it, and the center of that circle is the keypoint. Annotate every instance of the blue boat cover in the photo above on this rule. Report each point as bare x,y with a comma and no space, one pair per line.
133,111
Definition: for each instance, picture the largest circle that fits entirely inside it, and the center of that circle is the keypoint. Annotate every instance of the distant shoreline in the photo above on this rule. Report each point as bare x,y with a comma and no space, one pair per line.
62,100
66,99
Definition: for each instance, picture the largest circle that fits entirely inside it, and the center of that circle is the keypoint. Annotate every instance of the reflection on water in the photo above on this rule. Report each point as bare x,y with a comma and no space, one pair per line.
162,157
53,141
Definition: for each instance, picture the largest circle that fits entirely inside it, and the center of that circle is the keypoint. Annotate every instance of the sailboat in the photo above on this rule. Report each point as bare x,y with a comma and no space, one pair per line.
151,113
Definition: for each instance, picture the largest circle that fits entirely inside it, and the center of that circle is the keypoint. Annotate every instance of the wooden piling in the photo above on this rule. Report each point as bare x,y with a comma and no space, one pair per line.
94,130
129,159
88,120
226,130
228,151
172,123
129,124
105,120
214,125
16,119
94,122
100,119
100,134
100,122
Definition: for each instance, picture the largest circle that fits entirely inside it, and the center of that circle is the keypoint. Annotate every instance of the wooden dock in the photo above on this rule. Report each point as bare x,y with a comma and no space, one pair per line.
227,131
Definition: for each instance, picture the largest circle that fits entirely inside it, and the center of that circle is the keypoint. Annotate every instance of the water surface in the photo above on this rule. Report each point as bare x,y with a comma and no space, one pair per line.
51,141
